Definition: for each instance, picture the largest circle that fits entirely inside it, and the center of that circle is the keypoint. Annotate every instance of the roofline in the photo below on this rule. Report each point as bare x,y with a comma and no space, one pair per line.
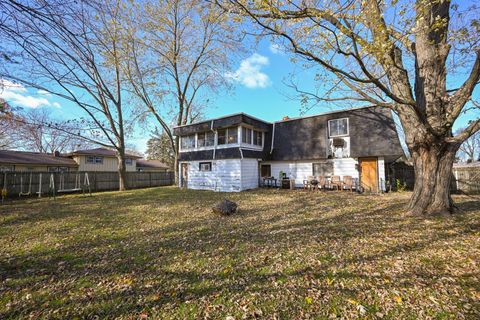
326,113
290,119
41,164
99,154
225,116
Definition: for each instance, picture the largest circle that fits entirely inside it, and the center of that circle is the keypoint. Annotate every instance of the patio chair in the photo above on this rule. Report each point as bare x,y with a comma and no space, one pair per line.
348,183
322,182
307,183
336,182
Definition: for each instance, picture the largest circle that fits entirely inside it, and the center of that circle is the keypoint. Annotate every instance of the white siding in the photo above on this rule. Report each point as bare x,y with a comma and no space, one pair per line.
300,170
381,173
249,174
345,167
225,175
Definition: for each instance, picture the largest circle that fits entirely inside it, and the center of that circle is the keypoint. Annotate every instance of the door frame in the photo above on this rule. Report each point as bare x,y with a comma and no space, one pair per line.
183,177
376,172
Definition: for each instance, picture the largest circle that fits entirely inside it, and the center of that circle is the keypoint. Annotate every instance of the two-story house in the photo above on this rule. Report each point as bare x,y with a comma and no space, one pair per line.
232,153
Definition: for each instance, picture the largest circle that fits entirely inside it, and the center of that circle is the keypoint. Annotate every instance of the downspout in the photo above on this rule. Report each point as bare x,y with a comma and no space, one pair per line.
214,139
241,153
273,138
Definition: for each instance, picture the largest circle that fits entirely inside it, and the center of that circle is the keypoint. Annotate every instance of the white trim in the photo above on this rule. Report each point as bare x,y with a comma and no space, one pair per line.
341,135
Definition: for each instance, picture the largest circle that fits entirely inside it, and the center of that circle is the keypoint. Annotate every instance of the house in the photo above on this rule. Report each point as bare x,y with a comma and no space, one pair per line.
151,166
102,159
98,159
35,161
232,153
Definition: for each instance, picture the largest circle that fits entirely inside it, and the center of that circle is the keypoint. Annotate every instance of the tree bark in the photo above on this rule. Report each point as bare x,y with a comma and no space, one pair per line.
122,171
433,171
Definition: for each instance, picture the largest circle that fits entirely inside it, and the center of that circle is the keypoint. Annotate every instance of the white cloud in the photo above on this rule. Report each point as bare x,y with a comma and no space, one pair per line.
56,105
17,94
275,48
250,74
43,92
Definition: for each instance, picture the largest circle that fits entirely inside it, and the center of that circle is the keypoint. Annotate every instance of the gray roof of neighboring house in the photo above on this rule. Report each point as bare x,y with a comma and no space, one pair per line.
34,158
101,152
142,163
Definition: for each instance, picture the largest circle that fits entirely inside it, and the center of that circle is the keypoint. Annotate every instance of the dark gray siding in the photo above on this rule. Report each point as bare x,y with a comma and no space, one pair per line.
372,133
228,153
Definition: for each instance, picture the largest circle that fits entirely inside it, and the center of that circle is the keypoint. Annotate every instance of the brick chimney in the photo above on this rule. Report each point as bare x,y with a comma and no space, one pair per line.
285,118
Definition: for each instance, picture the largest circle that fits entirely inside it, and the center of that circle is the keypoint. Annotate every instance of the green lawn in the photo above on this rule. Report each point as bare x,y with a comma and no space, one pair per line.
161,253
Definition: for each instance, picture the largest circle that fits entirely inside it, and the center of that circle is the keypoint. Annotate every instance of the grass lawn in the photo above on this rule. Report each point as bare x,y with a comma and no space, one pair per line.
160,253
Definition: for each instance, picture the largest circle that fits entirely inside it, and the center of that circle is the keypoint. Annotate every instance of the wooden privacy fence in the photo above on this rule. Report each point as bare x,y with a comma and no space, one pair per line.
464,179
467,179
30,183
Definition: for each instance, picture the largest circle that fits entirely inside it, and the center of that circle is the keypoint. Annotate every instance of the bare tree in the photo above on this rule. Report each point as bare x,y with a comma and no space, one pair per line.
394,54
179,52
6,125
39,131
470,148
71,50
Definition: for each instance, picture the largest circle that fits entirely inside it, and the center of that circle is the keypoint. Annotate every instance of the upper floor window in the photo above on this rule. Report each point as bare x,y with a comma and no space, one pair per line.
128,162
94,160
188,142
338,127
205,139
227,136
246,135
257,138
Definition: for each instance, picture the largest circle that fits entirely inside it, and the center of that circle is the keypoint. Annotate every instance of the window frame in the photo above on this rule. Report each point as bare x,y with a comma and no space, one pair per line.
127,160
209,165
204,139
247,133
322,163
95,160
184,138
256,135
227,136
340,135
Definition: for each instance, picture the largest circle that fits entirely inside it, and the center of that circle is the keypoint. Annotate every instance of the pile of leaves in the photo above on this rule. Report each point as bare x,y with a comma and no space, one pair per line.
160,253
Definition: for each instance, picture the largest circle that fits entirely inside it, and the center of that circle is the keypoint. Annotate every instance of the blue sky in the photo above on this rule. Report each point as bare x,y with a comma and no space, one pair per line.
258,90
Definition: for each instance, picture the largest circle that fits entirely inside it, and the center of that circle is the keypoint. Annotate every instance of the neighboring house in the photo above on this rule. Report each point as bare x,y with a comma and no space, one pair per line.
232,153
35,161
101,159
151,166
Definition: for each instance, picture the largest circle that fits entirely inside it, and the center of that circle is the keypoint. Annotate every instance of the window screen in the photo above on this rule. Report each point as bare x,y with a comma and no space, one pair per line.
338,127
323,169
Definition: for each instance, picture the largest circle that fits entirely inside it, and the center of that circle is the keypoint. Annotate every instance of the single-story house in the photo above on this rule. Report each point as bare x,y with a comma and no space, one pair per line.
151,166
35,161
234,152
98,159
102,159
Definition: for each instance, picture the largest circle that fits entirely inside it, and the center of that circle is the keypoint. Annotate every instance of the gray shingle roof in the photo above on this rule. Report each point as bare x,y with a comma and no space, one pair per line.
34,158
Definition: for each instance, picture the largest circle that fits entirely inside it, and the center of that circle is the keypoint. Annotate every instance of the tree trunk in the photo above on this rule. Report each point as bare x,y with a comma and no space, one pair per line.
122,171
176,162
433,171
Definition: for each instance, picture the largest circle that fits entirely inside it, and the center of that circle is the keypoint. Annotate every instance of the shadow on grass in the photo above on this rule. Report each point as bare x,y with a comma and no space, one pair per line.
229,256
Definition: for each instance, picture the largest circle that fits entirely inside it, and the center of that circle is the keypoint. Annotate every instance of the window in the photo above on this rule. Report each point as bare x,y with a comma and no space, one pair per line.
188,142
338,127
323,169
222,136
205,166
94,160
227,136
128,162
257,138
266,170
246,135
232,133
205,139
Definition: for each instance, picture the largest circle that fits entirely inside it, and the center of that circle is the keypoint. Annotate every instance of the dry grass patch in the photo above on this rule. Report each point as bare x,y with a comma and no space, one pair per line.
161,253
